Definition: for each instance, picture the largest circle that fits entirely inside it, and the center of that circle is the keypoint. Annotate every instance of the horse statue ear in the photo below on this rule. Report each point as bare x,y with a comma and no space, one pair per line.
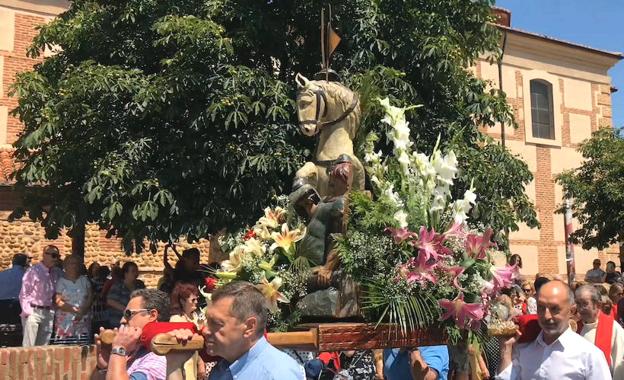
302,82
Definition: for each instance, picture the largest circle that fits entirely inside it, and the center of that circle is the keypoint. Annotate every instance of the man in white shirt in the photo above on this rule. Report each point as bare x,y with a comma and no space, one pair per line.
600,329
558,352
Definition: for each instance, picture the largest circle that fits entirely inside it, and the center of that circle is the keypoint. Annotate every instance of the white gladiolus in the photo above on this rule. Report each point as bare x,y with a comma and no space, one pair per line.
393,196
461,207
470,196
404,160
375,180
373,157
440,197
394,115
401,217
445,167
421,161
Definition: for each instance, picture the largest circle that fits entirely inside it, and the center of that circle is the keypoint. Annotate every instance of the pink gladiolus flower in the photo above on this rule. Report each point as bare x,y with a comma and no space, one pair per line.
419,270
477,246
463,313
431,245
400,234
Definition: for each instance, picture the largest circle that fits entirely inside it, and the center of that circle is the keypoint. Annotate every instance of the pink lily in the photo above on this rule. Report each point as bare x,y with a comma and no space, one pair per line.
456,272
419,270
457,229
431,245
400,234
463,313
487,288
477,246
503,277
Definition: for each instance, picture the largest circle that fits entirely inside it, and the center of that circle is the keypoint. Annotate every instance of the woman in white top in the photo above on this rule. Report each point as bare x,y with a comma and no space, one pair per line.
73,301
184,309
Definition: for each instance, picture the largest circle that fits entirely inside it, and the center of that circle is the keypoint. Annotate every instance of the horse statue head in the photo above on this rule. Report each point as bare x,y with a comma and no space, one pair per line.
322,104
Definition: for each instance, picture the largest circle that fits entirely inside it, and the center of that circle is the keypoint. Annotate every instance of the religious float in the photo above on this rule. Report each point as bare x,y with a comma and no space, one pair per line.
366,252
373,251
344,267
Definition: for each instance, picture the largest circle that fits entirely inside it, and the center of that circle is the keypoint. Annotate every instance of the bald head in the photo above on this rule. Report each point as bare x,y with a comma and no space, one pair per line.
554,305
558,288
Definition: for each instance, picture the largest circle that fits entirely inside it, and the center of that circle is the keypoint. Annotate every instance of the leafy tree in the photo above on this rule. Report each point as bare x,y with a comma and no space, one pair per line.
161,118
596,189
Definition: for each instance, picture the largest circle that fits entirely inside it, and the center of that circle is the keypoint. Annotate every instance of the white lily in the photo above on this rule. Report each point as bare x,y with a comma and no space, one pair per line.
235,262
270,290
254,247
286,238
272,217
262,232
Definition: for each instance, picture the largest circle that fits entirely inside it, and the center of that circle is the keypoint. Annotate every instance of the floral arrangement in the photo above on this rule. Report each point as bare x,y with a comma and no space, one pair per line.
265,256
410,245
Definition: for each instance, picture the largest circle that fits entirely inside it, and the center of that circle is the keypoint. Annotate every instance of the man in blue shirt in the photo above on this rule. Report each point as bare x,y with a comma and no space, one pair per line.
423,363
235,325
11,279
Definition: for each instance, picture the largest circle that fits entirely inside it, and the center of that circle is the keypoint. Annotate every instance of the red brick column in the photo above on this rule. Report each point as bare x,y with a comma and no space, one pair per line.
545,204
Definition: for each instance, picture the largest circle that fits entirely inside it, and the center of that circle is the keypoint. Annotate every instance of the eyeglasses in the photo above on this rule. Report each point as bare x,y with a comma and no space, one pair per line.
526,289
55,255
129,313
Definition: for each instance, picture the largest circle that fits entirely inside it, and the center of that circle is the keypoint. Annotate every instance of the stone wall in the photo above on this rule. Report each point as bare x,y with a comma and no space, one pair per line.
26,236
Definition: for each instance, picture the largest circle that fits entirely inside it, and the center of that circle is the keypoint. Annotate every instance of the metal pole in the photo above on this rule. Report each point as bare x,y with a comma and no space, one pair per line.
567,220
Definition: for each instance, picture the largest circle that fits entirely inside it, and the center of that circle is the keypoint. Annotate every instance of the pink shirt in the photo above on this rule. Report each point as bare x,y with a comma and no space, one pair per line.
38,287
154,367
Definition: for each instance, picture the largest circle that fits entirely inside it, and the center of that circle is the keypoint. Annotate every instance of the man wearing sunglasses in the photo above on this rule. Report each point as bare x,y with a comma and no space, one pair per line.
37,298
126,358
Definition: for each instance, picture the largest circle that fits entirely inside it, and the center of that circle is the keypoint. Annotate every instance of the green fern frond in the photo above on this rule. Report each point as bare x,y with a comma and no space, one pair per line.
403,309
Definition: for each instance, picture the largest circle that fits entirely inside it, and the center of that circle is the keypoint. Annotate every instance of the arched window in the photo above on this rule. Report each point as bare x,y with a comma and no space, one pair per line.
542,110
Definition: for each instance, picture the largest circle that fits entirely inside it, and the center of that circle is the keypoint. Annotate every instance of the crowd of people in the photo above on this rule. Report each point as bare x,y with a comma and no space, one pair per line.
567,333
60,301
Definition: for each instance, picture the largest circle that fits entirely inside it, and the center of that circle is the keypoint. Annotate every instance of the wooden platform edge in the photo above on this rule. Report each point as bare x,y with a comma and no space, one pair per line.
356,336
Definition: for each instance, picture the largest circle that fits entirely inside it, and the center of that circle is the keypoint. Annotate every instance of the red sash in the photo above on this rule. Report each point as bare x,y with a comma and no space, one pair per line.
604,334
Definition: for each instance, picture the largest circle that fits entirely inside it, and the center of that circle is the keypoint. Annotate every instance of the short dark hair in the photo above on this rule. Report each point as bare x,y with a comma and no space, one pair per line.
537,284
247,301
191,253
51,248
20,259
154,299
126,267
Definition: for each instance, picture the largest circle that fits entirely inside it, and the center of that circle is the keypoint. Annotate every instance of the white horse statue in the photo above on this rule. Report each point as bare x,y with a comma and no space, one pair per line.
331,111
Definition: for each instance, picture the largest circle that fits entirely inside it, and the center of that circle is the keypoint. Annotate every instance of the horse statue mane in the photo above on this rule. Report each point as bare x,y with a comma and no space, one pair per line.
332,112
